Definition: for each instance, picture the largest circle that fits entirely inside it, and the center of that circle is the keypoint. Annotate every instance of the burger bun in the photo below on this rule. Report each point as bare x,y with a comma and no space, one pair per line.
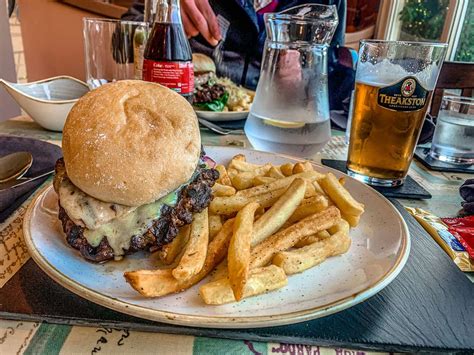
203,64
131,142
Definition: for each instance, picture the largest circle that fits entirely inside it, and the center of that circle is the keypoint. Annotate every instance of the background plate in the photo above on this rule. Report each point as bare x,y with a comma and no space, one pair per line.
222,116
379,251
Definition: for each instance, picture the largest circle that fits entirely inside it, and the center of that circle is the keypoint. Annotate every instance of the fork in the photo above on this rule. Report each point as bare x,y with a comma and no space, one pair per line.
215,128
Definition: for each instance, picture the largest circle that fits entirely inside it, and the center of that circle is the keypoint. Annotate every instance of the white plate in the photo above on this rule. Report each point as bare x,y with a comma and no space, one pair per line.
222,116
380,248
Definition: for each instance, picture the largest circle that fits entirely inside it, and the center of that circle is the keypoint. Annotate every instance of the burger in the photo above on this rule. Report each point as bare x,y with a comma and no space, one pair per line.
213,93
208,93
132,171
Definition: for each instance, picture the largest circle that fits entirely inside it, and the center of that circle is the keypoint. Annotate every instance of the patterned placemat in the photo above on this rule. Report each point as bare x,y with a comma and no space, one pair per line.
42,338
13,251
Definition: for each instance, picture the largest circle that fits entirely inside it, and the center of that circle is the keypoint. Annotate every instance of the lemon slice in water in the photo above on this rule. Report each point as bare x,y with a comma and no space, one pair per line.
283,124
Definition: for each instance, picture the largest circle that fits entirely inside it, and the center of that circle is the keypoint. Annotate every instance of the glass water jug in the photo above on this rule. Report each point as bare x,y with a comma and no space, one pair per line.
290,112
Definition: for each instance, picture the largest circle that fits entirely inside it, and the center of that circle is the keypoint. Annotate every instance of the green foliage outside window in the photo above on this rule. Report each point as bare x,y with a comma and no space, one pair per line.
465,50
423,20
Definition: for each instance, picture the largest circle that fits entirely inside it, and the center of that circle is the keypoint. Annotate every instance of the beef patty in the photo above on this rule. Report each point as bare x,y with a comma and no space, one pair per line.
193,197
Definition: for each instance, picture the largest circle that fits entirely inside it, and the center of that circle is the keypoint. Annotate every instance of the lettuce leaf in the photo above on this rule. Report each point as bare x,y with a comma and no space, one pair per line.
215,105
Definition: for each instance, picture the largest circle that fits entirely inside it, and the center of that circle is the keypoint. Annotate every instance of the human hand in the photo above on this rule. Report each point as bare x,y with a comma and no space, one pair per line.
199,18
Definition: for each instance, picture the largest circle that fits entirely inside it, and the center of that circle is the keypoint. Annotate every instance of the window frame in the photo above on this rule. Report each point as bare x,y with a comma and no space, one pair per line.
388,25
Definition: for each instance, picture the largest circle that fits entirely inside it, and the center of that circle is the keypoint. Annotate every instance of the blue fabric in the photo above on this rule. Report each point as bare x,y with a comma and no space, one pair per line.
467,193
44,158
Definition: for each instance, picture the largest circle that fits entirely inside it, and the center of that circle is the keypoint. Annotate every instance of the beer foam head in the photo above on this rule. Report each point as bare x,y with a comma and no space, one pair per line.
386,72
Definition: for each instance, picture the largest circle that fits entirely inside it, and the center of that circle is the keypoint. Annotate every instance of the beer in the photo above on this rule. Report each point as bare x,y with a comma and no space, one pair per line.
394,85
383,139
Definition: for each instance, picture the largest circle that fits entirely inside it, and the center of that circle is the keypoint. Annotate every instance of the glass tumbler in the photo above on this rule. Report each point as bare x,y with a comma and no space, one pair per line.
393,89
111,48
453,140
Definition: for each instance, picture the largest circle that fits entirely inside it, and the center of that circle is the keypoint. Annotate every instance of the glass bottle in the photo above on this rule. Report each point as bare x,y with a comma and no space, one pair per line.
168,57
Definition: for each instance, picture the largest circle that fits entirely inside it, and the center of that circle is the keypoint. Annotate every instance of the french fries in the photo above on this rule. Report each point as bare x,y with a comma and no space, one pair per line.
287,169
261,180
312,239
215,225
223,190
310,190
319,190
243,180
279,184
220,271
308,207
261,280
341,197
195,252
170,251
242,165
275,217
275,173
341,226
224,178
232,204
238,255
352,220
270,221
263,252
238,157
325,234
160,282
300,167
298,260
245,172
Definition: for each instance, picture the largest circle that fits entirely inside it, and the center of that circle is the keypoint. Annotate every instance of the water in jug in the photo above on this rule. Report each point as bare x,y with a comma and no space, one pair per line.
290,113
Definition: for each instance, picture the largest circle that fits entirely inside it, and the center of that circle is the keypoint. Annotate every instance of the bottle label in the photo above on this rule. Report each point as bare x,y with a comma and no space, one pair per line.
406,95
177,76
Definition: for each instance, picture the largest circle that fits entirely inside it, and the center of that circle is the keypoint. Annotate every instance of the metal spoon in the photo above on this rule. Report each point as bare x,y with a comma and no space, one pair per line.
23,180
14,166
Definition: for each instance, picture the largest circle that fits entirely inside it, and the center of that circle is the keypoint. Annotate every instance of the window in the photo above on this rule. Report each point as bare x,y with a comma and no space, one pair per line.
450,21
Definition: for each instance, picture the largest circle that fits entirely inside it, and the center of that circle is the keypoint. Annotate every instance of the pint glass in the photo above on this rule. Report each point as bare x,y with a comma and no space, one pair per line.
394,85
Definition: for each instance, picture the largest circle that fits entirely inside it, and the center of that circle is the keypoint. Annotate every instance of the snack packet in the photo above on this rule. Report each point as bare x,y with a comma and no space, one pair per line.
463,230
441,234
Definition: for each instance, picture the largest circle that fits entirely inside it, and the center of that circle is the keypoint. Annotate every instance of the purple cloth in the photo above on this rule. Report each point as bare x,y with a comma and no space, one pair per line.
467,193
44,158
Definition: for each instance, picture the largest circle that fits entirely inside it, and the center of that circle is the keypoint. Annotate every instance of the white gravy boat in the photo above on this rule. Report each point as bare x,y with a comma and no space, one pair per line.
48,101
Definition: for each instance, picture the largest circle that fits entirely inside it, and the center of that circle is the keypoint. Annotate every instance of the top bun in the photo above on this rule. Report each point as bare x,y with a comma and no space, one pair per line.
131,142
203,64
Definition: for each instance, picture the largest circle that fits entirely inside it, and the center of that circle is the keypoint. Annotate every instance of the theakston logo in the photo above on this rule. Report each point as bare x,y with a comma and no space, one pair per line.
405,95
408,87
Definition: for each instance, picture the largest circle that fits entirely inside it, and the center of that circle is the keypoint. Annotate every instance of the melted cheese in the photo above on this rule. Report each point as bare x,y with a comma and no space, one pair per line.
86,211
120,230
117,223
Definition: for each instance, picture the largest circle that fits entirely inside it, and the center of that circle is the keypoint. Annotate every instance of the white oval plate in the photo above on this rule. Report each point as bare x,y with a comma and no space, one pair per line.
379,250
222,116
